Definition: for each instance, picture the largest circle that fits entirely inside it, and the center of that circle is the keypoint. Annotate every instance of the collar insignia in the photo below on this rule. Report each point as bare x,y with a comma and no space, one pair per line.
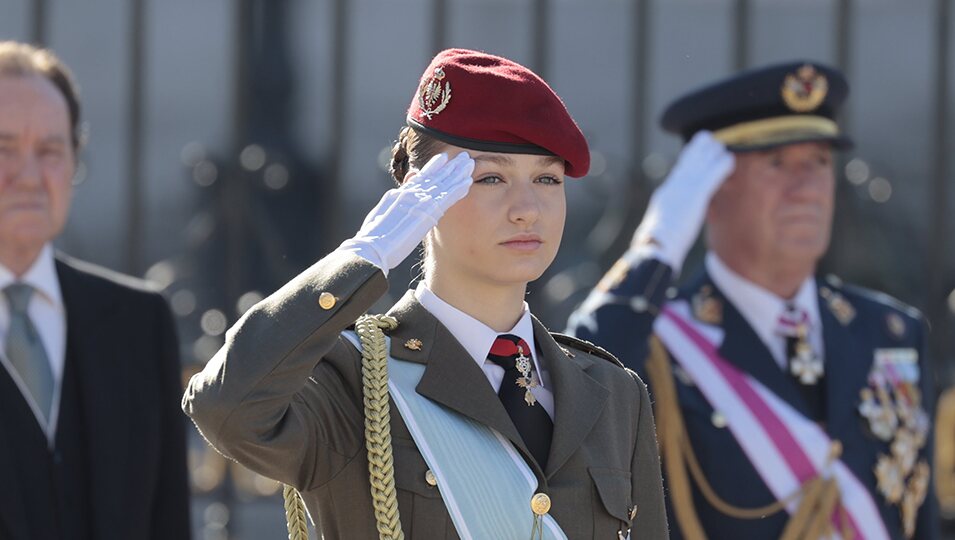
838,305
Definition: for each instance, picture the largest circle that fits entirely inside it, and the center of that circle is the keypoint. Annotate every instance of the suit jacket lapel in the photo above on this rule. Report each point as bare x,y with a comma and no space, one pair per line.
11,501
104,385
578,398
743,347
451,377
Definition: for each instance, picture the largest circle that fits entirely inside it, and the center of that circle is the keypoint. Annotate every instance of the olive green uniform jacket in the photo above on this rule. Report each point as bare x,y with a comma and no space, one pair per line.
284,397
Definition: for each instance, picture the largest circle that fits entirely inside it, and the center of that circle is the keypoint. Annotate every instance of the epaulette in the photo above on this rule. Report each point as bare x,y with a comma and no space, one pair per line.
585,346
874,296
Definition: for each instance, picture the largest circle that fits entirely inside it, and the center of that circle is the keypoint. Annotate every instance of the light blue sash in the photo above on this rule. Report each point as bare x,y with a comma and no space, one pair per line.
484,482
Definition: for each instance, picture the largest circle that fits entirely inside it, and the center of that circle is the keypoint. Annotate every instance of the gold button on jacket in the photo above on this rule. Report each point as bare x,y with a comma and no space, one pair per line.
326,300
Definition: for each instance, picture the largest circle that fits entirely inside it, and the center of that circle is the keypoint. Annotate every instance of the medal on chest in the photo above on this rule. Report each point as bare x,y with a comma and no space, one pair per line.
528,378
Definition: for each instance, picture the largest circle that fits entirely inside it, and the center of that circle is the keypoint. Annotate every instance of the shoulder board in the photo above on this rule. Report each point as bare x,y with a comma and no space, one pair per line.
877,297
585,346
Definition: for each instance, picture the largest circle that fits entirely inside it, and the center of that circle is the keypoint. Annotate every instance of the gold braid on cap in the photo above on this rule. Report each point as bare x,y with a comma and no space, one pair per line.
779,129
381,466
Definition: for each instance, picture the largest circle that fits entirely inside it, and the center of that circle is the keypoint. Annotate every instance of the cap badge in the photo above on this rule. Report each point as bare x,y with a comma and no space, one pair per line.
804,90
432,98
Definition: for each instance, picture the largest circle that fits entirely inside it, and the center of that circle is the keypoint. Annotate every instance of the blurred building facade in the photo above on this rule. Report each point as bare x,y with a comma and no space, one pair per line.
234,141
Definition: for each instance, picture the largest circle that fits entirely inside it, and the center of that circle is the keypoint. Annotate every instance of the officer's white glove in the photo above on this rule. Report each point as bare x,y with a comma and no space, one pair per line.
678,207
404,215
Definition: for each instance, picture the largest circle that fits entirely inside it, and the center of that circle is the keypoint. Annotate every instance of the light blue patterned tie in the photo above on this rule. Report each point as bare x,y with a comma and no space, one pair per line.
25,350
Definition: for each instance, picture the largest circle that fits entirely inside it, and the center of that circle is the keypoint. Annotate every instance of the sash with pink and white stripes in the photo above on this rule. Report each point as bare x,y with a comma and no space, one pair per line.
785,447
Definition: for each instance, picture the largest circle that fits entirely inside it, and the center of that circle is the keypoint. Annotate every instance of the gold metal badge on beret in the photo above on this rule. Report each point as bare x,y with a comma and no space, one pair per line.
804,90
432,98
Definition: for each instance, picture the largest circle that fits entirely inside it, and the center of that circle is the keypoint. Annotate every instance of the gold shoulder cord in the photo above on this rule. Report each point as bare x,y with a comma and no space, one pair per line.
819,496
374,378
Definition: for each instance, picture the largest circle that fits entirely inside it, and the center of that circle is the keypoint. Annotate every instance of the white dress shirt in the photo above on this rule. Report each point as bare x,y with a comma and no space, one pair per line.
48,314
762,309
477,338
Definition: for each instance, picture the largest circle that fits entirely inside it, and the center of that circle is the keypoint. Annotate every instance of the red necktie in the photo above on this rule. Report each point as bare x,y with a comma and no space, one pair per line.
532,422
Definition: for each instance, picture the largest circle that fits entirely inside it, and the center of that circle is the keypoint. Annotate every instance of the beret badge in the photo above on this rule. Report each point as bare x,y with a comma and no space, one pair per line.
804,90
432,98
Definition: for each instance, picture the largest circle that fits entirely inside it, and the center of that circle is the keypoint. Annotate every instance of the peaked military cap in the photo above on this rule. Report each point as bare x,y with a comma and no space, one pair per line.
484,102
765,107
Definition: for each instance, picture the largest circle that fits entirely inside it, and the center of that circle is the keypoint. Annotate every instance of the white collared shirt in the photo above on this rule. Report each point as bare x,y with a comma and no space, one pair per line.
477,338
762,309
48,314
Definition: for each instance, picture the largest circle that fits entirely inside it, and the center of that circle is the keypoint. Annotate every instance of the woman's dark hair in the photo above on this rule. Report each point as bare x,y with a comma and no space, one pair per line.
412,149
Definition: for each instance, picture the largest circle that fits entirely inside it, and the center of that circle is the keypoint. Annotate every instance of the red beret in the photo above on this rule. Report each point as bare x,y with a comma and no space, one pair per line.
484,102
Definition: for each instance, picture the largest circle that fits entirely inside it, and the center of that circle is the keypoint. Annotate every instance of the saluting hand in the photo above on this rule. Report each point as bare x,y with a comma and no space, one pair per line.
677,208
405,215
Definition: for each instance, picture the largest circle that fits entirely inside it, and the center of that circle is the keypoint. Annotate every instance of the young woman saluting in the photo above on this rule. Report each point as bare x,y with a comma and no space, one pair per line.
498,429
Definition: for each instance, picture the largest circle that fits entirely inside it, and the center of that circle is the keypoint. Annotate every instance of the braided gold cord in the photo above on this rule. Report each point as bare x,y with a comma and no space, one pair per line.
374,377
819,497
294,514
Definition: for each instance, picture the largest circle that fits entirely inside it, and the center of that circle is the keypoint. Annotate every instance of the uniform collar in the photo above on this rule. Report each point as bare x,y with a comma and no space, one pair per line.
475,336
41,276
760,307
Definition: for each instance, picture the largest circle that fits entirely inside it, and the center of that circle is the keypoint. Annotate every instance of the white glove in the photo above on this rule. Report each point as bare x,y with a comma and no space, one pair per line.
405,215
678,207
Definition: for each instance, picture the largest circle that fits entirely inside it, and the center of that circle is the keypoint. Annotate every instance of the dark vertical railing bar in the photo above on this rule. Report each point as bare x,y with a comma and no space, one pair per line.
843,41
637,187
339,125
38,22
843,33
939,263
135,209
741,18
243,51
540,48
846,217
229,210
231,204
640,53
439,25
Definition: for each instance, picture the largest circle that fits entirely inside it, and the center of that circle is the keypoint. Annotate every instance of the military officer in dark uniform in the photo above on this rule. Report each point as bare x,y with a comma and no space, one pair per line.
787,406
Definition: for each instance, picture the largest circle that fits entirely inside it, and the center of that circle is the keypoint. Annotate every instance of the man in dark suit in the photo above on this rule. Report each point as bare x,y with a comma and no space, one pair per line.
91,439
787,406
